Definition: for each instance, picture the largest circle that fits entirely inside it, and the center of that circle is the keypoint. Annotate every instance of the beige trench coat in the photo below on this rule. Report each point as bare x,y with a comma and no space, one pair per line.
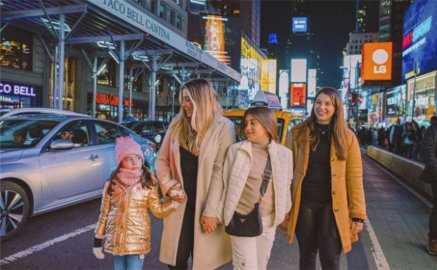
347,191
210,250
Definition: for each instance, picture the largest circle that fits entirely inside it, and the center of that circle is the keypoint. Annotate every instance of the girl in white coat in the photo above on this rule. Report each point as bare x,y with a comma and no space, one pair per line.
243,170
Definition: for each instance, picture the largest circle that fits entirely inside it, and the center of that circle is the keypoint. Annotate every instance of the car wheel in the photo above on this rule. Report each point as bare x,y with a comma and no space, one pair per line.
14,207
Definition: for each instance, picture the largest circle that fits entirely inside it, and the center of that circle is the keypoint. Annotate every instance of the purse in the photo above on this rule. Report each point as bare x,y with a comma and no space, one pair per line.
251,224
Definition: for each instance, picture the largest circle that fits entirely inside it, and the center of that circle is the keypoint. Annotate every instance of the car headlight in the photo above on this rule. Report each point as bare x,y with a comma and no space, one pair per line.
158,138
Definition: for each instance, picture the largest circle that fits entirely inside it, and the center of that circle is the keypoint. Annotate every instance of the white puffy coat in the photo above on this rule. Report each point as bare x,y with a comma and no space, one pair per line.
236,170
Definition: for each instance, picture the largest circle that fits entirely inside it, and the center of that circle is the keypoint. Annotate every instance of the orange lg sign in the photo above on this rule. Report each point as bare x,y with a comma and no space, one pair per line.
377,61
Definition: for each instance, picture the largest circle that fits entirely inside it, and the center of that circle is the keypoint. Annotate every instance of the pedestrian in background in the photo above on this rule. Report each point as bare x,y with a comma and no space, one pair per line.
257,163
328,209
124,224
429,156
191,159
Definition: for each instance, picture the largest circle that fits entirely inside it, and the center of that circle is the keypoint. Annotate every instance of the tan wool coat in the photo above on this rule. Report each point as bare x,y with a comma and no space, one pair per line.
210,250
347,191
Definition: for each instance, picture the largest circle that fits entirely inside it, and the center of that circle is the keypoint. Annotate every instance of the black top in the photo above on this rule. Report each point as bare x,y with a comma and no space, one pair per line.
189,174
316,186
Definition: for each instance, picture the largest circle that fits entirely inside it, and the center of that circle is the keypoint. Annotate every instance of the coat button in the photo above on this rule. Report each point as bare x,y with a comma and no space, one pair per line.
335,210
333,193
332,159
333,174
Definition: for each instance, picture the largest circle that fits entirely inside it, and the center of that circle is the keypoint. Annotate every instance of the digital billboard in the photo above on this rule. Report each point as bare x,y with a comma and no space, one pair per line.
377,61
297,94
250,66
312,82
215,38
268,75
298,70
284,81
299,24
396,101
419,42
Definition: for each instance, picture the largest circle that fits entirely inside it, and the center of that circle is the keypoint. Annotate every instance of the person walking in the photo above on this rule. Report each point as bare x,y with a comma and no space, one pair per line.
328,209
124,224
257,165
191,159
429,156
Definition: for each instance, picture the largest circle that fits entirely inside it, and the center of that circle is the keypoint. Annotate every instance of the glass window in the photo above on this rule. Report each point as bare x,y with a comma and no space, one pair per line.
23,133
16,48
162,10
76,132
153,6
107,76
172,17
107,132
178,22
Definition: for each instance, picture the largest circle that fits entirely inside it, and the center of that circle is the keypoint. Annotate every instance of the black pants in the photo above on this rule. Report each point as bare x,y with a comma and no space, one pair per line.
433,218
186,240
316,230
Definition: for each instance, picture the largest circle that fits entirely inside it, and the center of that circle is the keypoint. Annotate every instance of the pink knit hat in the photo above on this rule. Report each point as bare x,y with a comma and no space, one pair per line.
125,146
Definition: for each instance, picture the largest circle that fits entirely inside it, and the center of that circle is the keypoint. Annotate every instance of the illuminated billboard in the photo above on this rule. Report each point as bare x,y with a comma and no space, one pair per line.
299,24
419,42
284,81
268,75
297,95
214,42
377,61
298,70
396,101
250,66
312,82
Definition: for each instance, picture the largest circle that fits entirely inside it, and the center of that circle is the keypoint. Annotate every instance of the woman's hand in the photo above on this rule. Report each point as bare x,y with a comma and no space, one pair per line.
356,227
209,224
176,193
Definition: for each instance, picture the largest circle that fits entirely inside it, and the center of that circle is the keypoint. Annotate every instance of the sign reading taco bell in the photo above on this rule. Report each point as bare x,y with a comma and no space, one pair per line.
377,61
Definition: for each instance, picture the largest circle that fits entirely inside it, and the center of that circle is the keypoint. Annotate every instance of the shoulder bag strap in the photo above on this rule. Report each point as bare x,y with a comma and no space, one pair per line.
267,175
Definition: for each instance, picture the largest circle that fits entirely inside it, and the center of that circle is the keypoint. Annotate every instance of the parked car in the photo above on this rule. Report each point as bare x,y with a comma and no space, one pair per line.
41,111
52,161
152,130
286,120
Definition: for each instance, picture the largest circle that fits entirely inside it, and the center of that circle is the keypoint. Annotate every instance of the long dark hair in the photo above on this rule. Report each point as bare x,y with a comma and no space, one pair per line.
146,178
337,127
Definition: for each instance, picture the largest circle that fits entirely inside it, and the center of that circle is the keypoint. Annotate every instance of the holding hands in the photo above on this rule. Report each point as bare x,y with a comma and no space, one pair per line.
209,224
177,195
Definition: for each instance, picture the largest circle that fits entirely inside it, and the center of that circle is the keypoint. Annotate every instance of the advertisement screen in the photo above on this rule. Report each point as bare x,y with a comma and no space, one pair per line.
419,42
284,82
215,38
312,82
299,24
251,61
197,5
297,94
395,102
298,70
377,61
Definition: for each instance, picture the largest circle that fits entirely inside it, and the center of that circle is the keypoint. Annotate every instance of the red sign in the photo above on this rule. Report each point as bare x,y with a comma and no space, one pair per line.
108,99
297,94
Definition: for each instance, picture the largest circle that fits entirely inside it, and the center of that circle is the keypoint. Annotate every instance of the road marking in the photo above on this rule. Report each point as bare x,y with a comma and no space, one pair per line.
44,245
377,253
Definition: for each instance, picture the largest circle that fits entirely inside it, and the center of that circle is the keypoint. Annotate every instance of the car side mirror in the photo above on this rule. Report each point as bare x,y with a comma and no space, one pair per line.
61,144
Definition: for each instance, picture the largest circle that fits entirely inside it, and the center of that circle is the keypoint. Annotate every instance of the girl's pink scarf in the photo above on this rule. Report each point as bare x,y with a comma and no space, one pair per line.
129,177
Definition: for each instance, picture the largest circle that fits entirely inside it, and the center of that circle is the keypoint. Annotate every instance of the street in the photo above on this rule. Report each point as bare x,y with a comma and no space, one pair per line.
394,236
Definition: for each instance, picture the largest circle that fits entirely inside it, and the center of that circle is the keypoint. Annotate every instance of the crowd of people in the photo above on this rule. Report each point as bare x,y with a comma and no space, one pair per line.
222,200
403,139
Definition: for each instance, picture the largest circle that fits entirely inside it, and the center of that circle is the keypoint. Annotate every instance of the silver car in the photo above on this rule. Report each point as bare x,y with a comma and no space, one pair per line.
52,161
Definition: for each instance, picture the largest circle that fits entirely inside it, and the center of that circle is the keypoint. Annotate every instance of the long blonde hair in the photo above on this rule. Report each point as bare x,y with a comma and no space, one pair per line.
206,107
337,126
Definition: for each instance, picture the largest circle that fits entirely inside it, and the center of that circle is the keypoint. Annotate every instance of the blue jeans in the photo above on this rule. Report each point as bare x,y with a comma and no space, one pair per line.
128,262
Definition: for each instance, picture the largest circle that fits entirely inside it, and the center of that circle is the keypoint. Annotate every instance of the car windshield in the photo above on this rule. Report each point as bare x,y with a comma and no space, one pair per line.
23,133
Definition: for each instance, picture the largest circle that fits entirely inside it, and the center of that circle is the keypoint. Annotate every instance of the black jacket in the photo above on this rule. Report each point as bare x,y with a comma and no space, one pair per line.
429,152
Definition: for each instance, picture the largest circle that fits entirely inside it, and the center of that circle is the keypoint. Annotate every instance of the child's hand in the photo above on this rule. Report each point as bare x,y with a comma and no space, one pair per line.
98,252
177,194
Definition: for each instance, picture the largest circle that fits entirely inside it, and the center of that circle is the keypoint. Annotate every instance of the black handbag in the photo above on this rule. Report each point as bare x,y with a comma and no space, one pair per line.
251,224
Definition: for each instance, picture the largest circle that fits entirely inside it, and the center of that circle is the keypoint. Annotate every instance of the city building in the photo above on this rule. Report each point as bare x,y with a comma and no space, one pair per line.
104,58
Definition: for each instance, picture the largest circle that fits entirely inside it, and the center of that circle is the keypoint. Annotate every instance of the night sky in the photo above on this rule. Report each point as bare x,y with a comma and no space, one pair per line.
330,23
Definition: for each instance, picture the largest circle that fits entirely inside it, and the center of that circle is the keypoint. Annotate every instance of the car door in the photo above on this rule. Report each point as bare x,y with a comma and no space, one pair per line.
72,172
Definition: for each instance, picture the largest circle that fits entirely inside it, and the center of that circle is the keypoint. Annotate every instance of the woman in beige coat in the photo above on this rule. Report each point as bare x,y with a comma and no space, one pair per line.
191,158
328,207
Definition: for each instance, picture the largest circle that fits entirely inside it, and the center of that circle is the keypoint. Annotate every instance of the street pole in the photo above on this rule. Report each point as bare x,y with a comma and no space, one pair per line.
414,90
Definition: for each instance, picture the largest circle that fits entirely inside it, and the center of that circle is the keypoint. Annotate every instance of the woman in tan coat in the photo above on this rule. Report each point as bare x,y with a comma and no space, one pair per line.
191,159
328,209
